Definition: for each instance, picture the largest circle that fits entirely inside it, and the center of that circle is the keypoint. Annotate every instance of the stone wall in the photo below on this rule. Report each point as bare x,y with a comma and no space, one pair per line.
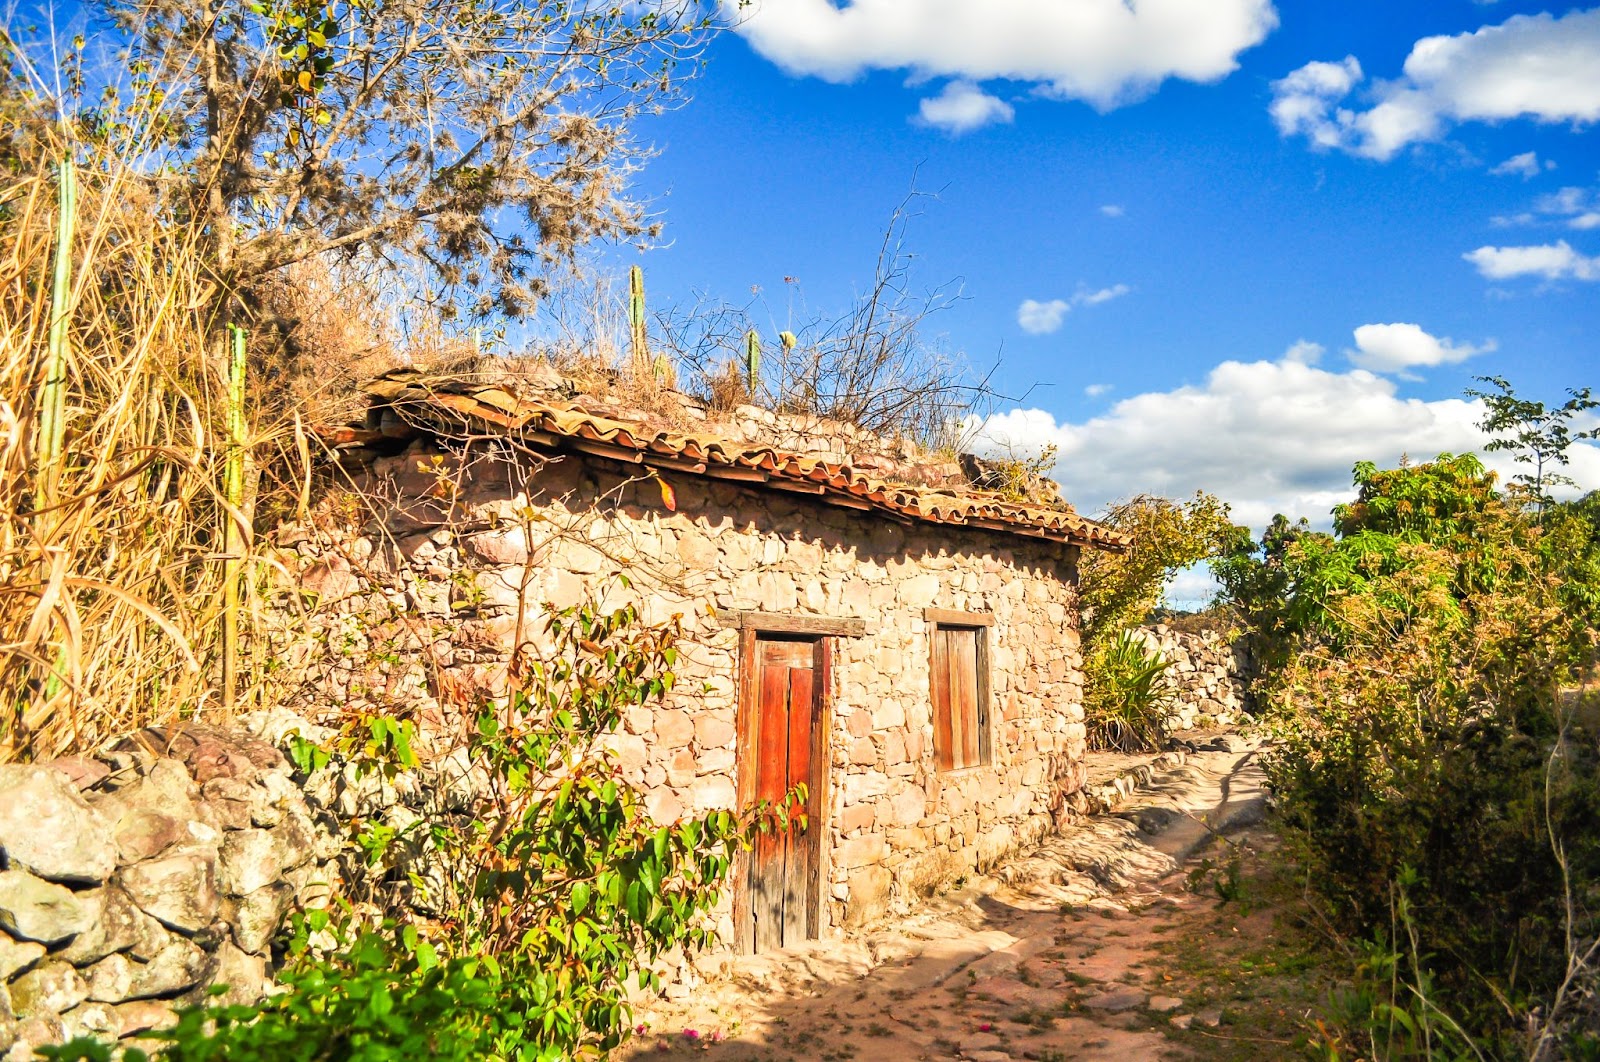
134,880
417,612
1212,674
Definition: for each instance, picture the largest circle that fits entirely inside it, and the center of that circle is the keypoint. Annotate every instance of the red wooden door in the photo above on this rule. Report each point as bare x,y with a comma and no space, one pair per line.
783,866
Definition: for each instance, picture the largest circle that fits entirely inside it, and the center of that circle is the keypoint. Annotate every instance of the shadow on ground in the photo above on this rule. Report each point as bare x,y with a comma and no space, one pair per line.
1059,954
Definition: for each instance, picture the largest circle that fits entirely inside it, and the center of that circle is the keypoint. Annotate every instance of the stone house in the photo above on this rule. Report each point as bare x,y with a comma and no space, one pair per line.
909,650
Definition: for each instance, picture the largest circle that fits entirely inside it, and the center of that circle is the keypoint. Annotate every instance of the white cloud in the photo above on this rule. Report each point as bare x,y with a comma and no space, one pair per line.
1578,207
1096,390
1552,261
1304,352
1524,165
1574,207
963,107
1530,66
1265,436
1095,298
1041,318
1112,210
1400,346
1107,52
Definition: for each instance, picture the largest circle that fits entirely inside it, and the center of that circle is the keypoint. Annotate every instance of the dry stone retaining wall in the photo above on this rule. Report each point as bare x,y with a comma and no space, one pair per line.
1211,673
133,881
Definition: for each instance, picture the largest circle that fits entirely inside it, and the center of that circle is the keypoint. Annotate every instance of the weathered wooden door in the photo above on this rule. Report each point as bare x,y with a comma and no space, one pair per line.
784,865
960,702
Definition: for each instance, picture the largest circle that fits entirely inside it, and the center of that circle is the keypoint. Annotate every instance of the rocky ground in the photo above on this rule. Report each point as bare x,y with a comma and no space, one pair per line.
1146,933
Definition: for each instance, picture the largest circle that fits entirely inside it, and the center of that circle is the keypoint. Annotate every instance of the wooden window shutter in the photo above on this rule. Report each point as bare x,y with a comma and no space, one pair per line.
960,686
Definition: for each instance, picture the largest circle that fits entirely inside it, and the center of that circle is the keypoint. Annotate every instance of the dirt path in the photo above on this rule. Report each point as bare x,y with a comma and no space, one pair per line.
1124,939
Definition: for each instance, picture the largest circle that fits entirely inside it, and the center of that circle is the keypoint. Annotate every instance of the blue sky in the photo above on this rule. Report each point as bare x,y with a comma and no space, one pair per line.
1218,244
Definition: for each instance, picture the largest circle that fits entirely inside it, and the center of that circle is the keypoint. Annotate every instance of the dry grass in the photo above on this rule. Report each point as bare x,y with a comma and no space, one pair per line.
108,600
111,597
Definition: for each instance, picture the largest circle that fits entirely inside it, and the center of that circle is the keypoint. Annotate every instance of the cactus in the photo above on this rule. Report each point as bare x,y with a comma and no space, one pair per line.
232,531
641,356
788,340
752,360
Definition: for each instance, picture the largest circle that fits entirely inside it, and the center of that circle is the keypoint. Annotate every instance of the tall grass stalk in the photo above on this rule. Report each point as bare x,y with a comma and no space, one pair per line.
114,435
52,402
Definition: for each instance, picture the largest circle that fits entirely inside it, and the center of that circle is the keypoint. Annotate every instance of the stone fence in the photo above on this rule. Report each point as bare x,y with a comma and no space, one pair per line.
134,880
1211,673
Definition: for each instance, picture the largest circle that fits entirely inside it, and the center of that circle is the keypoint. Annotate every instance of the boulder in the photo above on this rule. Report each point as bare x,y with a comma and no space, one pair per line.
35,1032
111,979
46,827
83,772
257,917
16,956
113,926
178,967
143,832
8,1021
251,860
139,1015
230,802
179,891
244,975
52,987
95,1020
34,909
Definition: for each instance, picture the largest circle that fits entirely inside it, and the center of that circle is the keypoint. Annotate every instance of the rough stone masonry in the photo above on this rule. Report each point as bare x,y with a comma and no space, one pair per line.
417,611
134,880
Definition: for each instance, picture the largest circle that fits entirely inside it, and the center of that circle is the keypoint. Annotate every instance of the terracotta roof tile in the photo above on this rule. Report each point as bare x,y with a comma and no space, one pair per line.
453,409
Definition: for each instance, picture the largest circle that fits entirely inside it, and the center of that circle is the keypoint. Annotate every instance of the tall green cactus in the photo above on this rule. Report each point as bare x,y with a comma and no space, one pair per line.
53,394
641,355
233,533
752,360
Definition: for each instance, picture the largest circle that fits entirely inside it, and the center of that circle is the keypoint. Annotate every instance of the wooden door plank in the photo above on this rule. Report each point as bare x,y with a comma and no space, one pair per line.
985,696
821,773
964,693
772,769
939,679
786,652
797,869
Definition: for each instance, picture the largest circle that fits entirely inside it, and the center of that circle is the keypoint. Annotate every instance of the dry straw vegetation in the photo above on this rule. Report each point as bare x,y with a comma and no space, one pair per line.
110,566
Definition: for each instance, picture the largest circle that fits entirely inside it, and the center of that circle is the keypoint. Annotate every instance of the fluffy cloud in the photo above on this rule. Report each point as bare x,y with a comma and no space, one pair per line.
963,107
1041,318
1530,66
1304,352
1096,390
1400,346
1524,165
1552,261
1112,210
1106,52
1266,436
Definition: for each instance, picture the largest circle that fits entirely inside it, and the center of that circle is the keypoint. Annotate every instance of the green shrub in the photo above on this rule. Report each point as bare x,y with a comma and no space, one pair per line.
1421,737
1127,695
557,894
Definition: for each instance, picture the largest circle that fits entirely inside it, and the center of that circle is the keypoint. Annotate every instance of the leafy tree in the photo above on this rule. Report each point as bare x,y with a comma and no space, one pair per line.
1422,740
1536,434
1119,590
474,143
1253,577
